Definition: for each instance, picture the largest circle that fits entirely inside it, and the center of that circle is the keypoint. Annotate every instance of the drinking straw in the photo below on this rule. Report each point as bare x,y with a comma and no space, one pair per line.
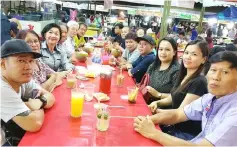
116,106
121,71
122,117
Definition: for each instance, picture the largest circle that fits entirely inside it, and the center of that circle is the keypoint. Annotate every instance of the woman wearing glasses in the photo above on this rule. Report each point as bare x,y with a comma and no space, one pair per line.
42,70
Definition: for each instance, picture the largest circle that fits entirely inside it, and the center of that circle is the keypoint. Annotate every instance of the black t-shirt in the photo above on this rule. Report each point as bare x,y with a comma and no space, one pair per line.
120,40
197,86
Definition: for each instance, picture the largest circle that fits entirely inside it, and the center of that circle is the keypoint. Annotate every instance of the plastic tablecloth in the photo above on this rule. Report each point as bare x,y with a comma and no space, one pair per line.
60,129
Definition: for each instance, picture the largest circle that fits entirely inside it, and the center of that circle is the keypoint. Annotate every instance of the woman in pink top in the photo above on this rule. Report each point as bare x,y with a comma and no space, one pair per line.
43,74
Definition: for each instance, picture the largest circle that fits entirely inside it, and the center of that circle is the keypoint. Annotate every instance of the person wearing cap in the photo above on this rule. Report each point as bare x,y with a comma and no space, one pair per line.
22,100
14,29
217,110
54,57
146,58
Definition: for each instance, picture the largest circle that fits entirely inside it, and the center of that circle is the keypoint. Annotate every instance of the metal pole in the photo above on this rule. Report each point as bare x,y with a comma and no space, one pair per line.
165,15
200,20
95,8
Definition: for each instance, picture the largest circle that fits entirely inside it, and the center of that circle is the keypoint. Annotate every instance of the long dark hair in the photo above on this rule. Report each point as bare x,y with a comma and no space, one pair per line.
157,62
203,46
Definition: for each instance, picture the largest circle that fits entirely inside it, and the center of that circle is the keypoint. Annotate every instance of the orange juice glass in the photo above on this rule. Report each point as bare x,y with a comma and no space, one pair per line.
132,94
77,102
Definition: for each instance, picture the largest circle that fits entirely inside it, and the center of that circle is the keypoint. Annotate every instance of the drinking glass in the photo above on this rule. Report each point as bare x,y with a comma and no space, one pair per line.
77,102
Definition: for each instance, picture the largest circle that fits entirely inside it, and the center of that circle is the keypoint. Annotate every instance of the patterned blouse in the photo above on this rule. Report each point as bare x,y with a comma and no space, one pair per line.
163,80
40,76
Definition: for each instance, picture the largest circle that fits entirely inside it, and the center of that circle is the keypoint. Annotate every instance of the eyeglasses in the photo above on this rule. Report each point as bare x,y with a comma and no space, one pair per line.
30,42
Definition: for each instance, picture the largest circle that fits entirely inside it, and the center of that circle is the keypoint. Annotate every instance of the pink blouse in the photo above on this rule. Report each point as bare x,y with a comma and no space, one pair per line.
40,76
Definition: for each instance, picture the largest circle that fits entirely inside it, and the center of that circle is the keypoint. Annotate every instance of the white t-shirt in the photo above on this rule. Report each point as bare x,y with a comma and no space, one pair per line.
11,102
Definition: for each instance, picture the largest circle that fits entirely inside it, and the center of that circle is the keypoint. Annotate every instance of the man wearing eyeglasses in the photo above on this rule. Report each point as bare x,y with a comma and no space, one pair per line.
22,100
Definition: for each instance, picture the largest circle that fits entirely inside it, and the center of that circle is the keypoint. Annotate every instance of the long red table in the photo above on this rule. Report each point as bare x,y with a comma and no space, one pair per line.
60,129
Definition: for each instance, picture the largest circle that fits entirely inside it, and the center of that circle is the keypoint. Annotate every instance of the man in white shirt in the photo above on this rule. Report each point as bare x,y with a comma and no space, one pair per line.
22,100
73,27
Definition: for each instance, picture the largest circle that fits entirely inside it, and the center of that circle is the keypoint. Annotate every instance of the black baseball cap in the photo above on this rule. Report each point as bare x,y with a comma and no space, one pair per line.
17,46
146,38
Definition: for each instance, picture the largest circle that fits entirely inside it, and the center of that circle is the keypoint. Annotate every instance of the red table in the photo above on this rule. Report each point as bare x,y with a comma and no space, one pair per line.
60,129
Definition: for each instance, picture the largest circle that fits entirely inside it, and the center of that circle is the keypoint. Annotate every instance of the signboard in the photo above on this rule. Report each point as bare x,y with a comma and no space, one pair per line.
180,15
176,3
148,13
145,13
185,16
132,12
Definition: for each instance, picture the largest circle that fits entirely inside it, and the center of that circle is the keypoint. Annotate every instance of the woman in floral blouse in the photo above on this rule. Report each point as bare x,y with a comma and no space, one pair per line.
43,74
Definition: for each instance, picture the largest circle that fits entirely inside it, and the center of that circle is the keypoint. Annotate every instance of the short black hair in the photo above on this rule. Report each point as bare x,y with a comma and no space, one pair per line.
82,23
235,41
215,50
182,33
64,25
230,47
120,25
50,26
131,35
228,56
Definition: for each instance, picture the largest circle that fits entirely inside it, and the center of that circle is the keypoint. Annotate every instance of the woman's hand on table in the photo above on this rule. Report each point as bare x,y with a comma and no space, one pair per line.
144,126
153,106
60,75
152,91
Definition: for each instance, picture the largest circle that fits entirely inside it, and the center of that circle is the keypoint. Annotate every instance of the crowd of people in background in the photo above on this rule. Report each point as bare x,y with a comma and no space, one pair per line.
184,96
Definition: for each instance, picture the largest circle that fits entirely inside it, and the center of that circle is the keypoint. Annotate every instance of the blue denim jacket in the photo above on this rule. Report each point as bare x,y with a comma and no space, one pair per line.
5,28
56,60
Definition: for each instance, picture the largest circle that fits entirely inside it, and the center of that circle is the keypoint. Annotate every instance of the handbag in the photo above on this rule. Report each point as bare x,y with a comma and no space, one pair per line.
142,87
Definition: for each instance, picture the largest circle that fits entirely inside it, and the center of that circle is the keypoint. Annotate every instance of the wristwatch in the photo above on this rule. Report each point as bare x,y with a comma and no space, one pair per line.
43,100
